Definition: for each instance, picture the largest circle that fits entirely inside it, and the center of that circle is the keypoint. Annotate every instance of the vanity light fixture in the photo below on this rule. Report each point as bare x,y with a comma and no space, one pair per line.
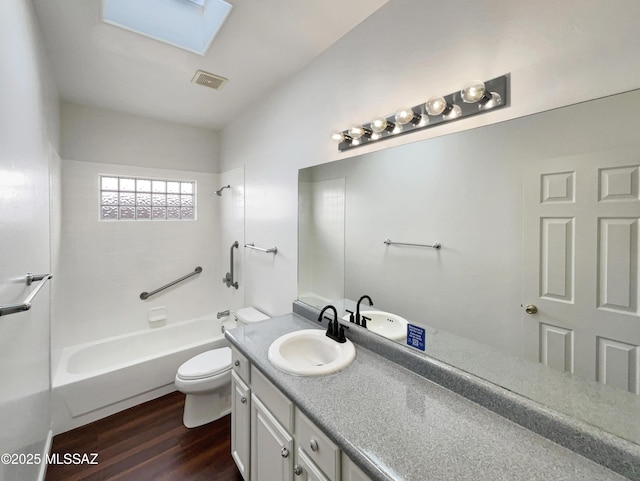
475,97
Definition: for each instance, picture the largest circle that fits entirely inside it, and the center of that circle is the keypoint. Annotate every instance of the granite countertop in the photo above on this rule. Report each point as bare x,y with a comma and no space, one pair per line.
397,425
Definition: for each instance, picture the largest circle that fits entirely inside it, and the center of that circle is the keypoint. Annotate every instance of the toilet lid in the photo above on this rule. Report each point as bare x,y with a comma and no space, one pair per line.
206,364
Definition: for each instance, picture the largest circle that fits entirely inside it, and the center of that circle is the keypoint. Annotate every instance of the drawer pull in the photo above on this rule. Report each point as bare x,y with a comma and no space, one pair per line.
284,453
313,444
243,400
237,363
297,470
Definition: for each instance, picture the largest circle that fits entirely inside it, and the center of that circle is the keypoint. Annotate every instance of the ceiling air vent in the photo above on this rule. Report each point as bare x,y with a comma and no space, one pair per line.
209,80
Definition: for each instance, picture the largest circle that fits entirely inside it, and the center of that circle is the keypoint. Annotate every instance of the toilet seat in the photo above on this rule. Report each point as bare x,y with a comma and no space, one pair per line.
207,364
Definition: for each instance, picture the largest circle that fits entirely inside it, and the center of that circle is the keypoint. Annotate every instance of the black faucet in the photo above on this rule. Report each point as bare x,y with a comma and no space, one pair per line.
361,320
335,330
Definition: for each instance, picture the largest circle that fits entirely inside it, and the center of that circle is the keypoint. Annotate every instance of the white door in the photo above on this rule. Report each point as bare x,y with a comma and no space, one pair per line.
581,226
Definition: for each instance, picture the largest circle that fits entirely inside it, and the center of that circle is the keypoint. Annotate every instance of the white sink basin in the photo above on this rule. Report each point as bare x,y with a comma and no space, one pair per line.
310,353
385,324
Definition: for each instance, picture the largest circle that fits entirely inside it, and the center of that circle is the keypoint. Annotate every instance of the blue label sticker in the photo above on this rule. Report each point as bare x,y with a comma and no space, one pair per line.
416,337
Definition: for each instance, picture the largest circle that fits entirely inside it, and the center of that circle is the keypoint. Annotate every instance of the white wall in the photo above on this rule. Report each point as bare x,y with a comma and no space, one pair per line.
100,135
400,56
321,262
29,134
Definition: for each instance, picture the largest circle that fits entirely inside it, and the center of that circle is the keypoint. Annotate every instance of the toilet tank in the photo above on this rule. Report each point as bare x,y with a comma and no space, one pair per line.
249,315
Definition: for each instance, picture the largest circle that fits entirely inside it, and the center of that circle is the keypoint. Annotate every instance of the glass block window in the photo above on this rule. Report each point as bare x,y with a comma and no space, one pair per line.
130,198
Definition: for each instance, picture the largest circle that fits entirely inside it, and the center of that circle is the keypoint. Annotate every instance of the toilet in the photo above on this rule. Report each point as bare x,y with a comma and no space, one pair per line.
206,379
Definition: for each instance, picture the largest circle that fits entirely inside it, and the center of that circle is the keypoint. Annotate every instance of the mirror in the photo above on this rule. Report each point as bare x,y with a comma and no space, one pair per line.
542,210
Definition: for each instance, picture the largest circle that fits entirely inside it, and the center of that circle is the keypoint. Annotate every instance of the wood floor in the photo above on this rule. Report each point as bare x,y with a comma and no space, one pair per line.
147,443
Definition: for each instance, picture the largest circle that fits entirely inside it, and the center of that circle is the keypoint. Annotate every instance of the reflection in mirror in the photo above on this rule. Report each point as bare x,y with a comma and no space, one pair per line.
321,212
541,211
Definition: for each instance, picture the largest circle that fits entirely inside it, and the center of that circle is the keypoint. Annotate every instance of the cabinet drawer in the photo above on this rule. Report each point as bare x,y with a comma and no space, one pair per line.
277,403
317,446
240,365
306,470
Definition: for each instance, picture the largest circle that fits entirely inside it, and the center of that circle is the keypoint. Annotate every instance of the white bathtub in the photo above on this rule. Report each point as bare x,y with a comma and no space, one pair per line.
96,375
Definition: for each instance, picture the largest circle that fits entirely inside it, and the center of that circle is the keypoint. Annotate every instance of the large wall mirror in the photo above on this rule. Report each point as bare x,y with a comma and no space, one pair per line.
540,212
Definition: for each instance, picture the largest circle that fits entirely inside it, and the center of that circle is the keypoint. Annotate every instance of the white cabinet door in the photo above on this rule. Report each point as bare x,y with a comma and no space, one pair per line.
306,470
581,226
271,446
240,425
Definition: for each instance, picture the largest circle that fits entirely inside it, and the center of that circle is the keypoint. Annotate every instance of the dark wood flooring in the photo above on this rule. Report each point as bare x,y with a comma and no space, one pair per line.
148,443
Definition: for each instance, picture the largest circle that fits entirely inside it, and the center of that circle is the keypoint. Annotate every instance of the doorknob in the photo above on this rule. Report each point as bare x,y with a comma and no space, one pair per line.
531,309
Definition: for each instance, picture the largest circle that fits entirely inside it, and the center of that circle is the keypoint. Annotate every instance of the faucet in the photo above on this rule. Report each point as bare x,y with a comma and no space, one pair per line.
335,330
362,320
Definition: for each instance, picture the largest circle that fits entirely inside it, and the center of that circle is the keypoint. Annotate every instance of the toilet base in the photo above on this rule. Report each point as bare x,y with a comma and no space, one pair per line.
203,408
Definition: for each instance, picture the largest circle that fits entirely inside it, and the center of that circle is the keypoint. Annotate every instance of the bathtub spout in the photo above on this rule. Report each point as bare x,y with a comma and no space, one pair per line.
222,314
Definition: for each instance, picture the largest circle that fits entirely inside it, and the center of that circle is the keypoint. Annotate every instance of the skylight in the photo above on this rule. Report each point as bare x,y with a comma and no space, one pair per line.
187,24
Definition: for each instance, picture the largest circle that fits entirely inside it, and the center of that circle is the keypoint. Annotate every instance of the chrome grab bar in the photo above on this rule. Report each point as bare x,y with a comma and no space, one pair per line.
228,278
436,245
146,295
272,250
26,305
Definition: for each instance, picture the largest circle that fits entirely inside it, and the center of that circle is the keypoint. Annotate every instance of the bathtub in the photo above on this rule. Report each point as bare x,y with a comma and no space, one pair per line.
94,376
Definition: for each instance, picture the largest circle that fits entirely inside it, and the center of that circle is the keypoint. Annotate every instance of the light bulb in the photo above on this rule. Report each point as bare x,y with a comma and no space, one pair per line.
494,99
381,124
356,131
435,105
453,112
340,136
472,91
404,116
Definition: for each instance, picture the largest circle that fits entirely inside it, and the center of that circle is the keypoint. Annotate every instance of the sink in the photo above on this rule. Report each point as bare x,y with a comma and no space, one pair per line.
310,352
385,324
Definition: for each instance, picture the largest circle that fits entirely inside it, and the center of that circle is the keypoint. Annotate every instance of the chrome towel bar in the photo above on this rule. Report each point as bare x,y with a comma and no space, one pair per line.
26,305
436,245
272,250
146,295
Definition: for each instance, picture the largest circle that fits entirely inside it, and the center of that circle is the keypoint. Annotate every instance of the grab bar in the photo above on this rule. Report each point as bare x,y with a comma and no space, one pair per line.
26,305
228,278
436,245
147,295
272,250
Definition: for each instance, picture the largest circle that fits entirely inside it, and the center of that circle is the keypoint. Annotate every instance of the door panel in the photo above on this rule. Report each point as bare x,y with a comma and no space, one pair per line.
581,230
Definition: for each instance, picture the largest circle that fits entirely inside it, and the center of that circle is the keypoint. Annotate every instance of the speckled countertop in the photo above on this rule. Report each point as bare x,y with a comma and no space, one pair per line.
397,425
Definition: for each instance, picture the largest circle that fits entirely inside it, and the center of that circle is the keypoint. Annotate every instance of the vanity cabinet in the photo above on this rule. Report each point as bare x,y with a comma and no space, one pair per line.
272,440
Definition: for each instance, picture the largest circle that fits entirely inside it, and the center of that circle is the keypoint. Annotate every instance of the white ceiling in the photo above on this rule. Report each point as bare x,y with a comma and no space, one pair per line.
261,44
